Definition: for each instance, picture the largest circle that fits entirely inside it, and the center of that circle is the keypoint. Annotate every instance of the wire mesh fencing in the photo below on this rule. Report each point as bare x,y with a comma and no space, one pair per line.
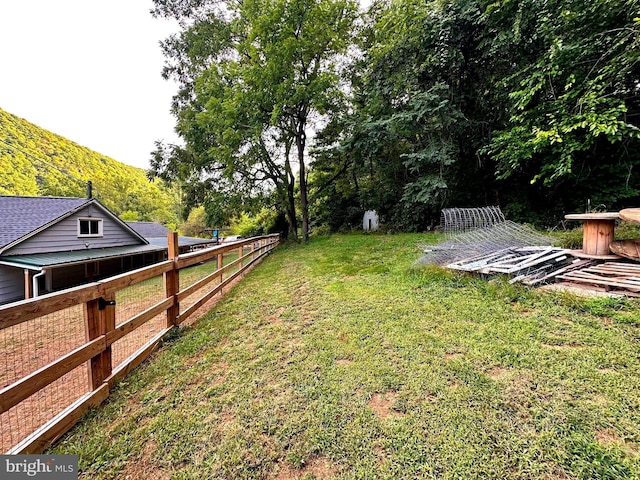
197,273
57,360
29,346
130,302
483,241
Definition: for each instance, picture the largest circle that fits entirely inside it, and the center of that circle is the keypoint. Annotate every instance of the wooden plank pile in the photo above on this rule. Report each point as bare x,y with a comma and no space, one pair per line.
616,277
530,265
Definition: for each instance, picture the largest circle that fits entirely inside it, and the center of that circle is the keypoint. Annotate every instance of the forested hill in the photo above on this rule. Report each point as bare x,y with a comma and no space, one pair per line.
34,161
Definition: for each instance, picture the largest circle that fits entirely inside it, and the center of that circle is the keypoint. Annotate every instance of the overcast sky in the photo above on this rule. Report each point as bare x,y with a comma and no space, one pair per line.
88,70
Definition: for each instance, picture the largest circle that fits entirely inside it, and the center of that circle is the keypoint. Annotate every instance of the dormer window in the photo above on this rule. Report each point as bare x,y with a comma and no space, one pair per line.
89,227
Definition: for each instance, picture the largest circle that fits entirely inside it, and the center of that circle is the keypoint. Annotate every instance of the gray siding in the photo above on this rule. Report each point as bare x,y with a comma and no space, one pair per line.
11,284
63,236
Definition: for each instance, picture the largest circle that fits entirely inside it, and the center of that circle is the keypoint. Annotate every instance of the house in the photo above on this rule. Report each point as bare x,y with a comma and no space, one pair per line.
156,234
52,243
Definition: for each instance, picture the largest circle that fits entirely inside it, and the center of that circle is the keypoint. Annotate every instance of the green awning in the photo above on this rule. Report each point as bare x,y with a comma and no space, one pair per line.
59,259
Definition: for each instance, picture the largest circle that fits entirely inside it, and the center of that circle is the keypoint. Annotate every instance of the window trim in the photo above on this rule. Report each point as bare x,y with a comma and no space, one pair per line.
90,235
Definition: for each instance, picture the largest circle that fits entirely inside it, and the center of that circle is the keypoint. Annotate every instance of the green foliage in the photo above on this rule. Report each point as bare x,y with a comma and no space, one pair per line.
252,74
532,105
421,102
573,93
34,161
195,224
252,225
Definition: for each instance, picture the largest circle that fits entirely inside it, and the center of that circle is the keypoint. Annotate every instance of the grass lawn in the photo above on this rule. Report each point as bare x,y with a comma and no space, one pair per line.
342,359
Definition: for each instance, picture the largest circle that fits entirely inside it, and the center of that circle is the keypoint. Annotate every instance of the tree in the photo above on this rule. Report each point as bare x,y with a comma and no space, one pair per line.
530,104
421,112
574,95
253,75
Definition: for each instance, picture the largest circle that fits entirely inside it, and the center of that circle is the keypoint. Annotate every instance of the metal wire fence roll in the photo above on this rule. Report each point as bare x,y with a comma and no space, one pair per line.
29,346
454,221
483,241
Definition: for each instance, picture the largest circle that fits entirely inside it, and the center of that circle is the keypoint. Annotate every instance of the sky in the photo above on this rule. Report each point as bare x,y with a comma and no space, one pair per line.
90,71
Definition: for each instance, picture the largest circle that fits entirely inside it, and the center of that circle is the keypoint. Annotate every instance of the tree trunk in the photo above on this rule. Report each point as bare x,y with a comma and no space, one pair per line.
304,203
291,199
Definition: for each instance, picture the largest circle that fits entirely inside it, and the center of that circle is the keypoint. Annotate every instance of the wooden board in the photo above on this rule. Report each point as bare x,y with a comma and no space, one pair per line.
612,276
630,215
627,248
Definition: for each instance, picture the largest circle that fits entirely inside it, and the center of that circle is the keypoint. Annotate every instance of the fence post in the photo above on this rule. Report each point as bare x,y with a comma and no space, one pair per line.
240,250
100,318
172,280
220,265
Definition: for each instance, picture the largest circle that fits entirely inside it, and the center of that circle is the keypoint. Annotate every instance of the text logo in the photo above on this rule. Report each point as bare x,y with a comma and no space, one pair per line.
50,467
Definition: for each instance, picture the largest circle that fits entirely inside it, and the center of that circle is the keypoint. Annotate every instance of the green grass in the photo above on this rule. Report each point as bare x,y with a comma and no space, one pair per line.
343,359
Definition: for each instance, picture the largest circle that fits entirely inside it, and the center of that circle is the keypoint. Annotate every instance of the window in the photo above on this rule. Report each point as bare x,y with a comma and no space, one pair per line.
89,227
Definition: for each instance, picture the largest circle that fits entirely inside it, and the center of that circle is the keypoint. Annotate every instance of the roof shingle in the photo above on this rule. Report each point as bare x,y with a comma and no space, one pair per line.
20,216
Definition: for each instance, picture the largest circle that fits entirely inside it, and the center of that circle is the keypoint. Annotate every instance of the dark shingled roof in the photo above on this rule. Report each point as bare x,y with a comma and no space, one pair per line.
20,216
149,229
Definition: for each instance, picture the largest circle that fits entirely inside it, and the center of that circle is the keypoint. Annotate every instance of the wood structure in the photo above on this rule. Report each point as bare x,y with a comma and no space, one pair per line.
630,215
528,265
627,248
103,329
616,277
598,233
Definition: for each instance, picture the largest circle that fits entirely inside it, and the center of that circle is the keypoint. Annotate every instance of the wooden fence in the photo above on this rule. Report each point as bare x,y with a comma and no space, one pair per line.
93,361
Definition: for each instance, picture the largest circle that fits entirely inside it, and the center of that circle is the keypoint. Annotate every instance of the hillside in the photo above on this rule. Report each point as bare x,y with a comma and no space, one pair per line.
32,162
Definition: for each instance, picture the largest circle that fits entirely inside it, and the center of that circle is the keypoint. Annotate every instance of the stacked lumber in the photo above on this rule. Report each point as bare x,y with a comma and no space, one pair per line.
615,277
530,265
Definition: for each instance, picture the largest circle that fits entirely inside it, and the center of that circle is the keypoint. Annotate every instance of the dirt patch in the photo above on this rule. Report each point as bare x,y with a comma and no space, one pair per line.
382,405
556,476
344,361
144,467
609,370
276,318
497,373
319,467
609,438
452,355
564,346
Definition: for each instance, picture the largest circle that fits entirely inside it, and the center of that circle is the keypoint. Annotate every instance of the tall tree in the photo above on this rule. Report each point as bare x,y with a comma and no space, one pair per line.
574,95
253,75
421,112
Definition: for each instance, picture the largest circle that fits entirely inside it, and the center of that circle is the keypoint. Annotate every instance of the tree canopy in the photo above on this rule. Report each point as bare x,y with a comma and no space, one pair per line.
254,76
532,105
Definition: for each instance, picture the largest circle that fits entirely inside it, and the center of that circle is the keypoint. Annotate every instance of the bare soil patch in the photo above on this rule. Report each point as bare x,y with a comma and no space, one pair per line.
608,438
497,372
144,466
382,405
320,467
276,318
564,346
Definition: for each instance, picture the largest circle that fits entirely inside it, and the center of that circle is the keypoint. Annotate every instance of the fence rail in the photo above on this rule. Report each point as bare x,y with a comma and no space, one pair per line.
93,343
